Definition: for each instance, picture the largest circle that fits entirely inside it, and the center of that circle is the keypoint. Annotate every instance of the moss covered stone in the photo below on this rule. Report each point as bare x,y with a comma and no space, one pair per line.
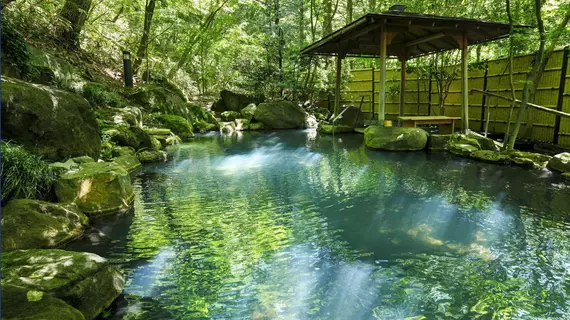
229,115
155,98
85,281
560,163
330,129
352,116
462,149
21,303
148,156
178,125
52,123
227,127
439,142
231,101
248,111
129,162
490,156
204,126
395,138
254,126
128,116
97,188
132,136
280,115
122,151
31,224
528,159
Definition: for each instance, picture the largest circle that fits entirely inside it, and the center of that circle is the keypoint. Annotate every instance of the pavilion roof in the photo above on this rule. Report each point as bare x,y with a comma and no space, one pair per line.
412,35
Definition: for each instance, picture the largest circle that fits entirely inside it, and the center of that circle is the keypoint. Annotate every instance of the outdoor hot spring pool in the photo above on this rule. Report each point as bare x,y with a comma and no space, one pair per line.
295,225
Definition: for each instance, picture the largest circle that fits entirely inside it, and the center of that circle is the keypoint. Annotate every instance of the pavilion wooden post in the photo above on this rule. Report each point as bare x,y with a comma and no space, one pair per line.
382,93
464,84
402,86
337,85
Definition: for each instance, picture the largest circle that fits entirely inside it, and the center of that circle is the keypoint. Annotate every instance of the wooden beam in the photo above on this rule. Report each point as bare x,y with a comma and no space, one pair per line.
464,85
425,39
382,93
402,85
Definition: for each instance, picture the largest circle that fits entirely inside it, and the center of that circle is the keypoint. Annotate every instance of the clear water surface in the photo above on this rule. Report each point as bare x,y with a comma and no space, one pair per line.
294,225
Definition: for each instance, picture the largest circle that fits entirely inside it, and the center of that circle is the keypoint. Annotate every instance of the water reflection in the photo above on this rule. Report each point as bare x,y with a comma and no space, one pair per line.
296,225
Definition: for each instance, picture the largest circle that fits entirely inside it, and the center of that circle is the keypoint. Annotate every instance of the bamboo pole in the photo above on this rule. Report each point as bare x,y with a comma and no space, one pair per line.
536,106
464,84
337,84
382,93
402,86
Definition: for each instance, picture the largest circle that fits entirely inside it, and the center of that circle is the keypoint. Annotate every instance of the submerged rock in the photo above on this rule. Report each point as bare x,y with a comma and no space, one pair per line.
330,129
280,115
560,163
395,138
23,303
97,188
439,142
84,281
52,123
31,224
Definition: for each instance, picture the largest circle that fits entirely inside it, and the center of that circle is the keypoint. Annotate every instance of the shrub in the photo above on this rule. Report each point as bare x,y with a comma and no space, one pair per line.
25,175
101,95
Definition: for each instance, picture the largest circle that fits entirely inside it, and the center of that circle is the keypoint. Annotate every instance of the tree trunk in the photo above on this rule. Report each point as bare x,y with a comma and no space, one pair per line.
143,44
511,79
74,11
348,11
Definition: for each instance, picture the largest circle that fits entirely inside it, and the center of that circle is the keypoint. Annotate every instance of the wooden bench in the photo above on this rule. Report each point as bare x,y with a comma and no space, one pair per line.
413,121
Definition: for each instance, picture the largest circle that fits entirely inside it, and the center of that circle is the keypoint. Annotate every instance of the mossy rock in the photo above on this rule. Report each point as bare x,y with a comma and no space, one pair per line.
280,115
102,95
241,124
66,74
158,99
528,159
560,163
330,129
52,123
84,281
480,142
395,138
490,156
255,126
178,125
132,136
31,224
128,116
122,151
248,111
566,176
439,142
231,101
229,115
97,188
462,149
148,156
129,162
352,116
21,303
203,126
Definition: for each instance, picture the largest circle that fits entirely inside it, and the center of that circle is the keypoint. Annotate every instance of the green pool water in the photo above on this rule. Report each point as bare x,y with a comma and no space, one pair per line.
294,225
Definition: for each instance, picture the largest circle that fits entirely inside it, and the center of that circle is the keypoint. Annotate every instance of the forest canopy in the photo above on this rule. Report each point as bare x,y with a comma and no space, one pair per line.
253,46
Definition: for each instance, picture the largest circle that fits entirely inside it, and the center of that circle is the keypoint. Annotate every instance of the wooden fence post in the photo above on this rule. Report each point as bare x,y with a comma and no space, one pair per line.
373,95
561,93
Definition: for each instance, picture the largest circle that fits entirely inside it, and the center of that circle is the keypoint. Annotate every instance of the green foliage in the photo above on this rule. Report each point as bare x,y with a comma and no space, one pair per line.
24,175
14,48
101,95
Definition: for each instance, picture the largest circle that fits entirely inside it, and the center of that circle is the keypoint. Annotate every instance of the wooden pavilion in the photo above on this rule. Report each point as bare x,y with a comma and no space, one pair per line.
405,36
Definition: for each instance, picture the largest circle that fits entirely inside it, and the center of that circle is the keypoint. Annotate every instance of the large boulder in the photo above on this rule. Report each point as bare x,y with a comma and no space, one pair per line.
49,122
128,116
21,303
154,98
132,136
84,281
31,224
231,101
462,149
439,142
97,188
280,115
560,163
129,162
395,138
528,159
351,117
248,111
